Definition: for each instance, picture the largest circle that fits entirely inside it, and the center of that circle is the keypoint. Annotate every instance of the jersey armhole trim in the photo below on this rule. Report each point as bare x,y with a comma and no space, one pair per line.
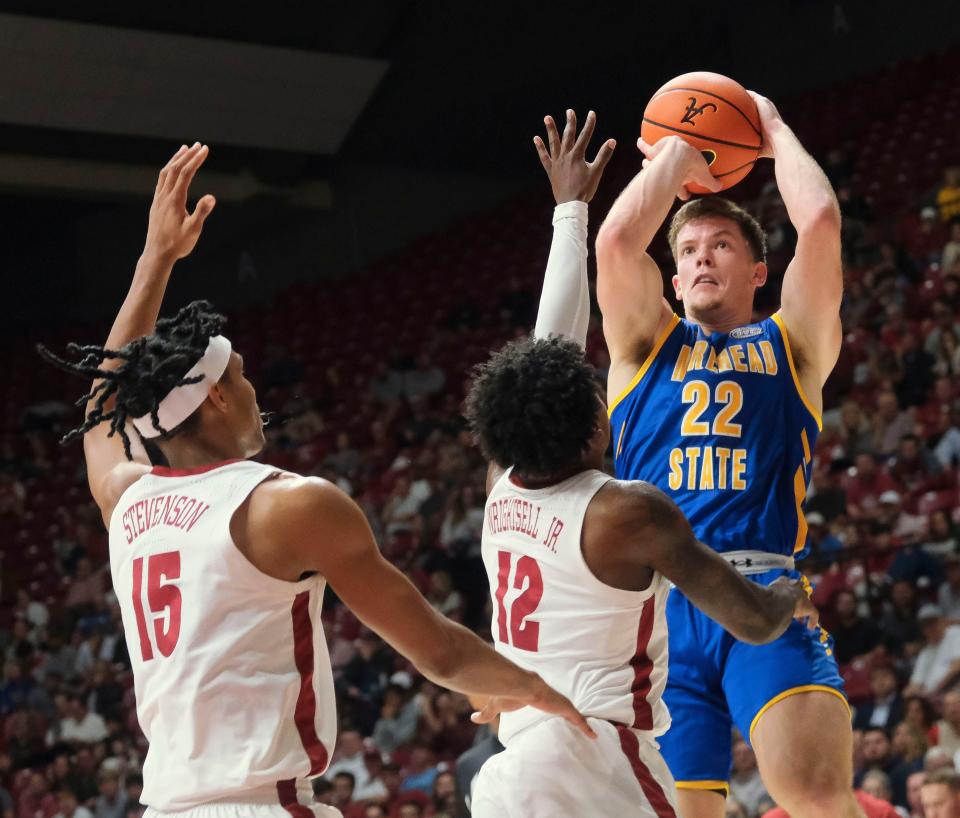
778,320
674,320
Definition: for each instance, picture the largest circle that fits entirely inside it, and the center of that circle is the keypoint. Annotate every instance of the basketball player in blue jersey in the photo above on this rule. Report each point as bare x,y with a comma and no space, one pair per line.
722,413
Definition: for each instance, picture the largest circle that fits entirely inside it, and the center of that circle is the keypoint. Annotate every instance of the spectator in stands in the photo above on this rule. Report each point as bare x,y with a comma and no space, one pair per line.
853,635
876,753
909,744
403,504
948,728
947,437
87,587
950,260
399,715
374,789
877,784
914,786
940,795
462,521
424,380
348,757
827,497
421,770
890,424
819,539
885,709
112,801
386,386
853,429
36,798
81,726
866,482
344,784
745,784
948,595
69,808
899,624
344,459
948,195
444,597
916,366
938,663
914,466
444,800
360,686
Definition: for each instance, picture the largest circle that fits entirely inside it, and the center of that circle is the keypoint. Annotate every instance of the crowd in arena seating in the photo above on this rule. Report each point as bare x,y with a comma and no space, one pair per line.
883,549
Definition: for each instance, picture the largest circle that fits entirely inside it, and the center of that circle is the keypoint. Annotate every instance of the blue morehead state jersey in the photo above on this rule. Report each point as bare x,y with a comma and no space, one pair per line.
720,423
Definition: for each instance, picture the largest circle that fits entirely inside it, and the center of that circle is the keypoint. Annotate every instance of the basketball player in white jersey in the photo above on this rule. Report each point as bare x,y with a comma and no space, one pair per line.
220,563
579,563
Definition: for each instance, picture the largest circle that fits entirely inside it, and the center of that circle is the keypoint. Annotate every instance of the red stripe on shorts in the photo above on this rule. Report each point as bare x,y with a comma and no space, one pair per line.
287,793
630,745
306,710
642,668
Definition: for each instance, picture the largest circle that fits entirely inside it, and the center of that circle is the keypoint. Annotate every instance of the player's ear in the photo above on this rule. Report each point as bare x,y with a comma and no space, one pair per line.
759,274
217,397
676,287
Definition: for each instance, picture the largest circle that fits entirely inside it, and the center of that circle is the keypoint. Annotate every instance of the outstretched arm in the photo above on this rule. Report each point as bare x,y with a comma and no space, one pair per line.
565,300
319,528
629,284
633,527
172,233
813,283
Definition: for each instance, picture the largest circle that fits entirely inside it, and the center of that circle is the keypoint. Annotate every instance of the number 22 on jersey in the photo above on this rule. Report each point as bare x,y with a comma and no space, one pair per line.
164,602
522,634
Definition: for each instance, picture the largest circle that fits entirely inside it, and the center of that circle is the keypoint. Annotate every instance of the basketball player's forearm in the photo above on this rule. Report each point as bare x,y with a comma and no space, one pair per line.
472,666
806,191
138,313
565,299
641,209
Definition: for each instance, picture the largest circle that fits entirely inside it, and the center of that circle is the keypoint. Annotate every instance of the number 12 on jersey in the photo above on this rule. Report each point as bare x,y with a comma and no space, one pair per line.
164,600
522,634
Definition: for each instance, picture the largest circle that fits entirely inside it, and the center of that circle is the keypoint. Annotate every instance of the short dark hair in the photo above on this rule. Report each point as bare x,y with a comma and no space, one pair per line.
533,405
717,206
346,774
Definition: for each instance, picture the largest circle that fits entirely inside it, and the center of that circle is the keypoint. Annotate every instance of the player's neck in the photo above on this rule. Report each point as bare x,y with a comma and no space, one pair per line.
541,482
719,320
191,453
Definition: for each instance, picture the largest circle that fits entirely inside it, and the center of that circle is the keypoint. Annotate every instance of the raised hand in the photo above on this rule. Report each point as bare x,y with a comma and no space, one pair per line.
770,119
572,177
695,166
172,231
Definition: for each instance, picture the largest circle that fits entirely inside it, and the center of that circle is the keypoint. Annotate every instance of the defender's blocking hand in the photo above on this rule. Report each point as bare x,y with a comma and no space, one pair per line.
572,177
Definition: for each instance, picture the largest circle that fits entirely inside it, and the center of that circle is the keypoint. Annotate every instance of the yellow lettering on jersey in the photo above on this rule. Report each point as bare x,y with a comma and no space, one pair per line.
723,361
706,469
769,358
693,455
736,353
756,364
738,469
696,357
723,457
683,358
711,363
676,469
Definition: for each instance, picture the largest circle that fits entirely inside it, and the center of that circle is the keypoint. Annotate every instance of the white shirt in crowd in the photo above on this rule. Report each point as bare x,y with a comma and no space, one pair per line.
89,730
933,662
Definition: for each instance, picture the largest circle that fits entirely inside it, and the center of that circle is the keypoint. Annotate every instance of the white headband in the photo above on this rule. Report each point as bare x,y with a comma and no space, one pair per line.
183,401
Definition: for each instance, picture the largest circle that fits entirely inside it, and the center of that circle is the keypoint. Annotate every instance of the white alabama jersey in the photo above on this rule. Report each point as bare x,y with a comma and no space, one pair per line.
604,648
231,671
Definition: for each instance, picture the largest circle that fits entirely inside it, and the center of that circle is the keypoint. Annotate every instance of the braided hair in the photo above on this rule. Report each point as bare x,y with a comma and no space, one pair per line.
151,367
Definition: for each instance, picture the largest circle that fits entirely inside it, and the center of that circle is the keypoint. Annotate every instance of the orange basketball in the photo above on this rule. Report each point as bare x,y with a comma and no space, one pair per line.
713,113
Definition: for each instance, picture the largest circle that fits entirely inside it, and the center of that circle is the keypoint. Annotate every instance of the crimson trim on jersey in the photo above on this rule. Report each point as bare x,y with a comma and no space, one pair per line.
164,471
306,711
630,745
287,793
643,668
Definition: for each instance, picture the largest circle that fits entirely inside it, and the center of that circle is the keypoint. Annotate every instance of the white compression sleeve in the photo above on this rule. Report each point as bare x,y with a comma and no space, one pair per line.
565,300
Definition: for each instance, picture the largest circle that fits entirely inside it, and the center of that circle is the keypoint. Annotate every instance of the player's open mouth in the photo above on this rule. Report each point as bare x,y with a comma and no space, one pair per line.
704,280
